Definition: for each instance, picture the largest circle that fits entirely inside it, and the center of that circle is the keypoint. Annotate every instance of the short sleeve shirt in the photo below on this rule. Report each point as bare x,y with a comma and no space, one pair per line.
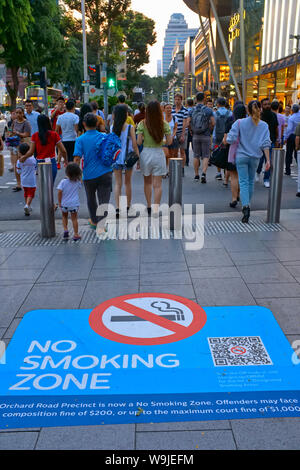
67,123
22,127
48,150
70,192
181,115
148,139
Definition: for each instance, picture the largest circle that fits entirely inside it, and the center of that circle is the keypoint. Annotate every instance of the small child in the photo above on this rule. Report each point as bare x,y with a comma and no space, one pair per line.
27,170
68,198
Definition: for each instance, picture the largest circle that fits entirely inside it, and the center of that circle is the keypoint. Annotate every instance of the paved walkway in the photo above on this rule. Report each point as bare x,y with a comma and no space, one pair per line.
258,268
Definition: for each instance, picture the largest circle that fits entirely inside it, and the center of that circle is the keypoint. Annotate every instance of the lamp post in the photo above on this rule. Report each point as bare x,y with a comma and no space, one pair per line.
85,65
297,37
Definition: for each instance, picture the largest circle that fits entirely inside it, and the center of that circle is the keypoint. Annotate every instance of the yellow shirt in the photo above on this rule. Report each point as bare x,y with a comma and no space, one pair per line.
130,121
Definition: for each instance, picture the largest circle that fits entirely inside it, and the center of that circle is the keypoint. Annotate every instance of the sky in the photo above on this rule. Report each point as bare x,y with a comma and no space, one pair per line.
160,11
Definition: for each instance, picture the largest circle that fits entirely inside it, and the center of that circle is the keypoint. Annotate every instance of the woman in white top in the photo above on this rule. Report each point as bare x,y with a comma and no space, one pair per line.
123,130
171,151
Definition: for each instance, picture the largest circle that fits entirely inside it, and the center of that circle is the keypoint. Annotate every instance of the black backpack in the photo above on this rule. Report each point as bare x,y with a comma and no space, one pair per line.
220,128
200,120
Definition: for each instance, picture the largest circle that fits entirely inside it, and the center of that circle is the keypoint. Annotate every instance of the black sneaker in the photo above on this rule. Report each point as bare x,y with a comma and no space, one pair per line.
219,177
197,178
203,178
298,195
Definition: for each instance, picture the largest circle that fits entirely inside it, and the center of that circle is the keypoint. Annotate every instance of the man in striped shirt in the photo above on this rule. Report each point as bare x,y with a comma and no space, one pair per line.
182,115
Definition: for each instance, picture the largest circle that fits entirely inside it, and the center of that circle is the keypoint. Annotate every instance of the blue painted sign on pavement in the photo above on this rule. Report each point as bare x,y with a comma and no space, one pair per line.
147,358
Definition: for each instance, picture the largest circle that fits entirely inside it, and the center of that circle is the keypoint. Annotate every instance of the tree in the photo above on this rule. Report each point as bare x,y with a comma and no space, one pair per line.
15,20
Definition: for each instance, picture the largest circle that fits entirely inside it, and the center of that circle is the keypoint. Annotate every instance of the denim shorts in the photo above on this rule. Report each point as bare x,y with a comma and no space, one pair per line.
72,210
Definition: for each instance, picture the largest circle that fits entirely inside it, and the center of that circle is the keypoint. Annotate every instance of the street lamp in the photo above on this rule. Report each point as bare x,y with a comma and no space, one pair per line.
297,37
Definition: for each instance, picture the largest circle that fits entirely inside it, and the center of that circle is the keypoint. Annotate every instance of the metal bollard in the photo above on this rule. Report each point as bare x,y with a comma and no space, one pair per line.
46,200
277,168
175,191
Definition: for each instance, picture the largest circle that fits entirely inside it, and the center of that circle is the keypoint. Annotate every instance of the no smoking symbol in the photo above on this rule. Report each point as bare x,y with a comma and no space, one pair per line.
238,350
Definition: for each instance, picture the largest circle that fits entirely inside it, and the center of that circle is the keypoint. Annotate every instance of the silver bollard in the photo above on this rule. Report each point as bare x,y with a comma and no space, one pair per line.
46,200
277,168
175,191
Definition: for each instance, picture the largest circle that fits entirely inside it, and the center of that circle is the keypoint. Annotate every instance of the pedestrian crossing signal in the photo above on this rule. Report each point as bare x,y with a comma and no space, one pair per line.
111,83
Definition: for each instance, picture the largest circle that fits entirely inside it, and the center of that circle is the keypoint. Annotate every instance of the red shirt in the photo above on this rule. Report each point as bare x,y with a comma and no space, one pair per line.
54,117
48,150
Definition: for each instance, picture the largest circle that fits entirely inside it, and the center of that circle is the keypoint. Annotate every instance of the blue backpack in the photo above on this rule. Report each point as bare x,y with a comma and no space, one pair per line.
108,149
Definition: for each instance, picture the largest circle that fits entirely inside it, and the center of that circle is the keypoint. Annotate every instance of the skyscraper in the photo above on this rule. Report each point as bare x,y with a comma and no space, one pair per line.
177,30
159,68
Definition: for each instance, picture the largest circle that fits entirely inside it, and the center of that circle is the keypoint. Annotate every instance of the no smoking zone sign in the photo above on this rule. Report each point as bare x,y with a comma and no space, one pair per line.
147,319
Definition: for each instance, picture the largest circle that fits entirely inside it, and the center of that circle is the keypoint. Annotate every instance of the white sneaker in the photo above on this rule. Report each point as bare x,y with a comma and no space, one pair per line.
267,184
257,178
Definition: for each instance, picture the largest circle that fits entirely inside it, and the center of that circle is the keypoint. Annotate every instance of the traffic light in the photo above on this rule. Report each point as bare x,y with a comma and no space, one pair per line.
111,79
98,77
40,79
92,74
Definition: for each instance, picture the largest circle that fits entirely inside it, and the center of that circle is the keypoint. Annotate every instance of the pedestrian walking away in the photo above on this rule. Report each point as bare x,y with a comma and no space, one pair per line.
297,143
67,127
222,117
253,138
44,143
171,151
271,119
68,199
97,178
128,144
151,133
290,137
27,170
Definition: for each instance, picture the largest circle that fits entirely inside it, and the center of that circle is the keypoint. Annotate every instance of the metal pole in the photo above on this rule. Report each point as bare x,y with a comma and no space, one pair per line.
46,200
242,45
44,69
175,191
225,49
85,64
274,205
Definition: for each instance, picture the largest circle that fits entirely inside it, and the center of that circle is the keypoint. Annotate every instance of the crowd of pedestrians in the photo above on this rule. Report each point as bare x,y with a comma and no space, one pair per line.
155,133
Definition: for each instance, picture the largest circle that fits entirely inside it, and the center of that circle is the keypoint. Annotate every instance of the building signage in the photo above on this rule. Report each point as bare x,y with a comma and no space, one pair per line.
234,26
147,358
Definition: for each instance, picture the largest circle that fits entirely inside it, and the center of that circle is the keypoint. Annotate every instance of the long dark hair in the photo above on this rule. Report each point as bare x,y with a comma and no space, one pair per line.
86,108
120,116
239,112
44,126
154,121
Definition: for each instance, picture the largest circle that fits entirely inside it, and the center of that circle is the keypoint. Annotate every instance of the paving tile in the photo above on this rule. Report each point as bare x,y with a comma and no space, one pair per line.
294,270
99,291
184,426
286,312
287,253
114,273
2,332
265,273
275,290
215,273
267,434
66,266
268,236
241,242
157,268
116,259
11,301
166,278
23,259
119,245
56,295
18,440
118,437
208,258
282,243
185,440
19,275
242,258
181,290
12,328
162,256
223,292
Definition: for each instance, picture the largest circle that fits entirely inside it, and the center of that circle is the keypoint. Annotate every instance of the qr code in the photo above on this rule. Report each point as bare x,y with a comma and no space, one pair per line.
239,351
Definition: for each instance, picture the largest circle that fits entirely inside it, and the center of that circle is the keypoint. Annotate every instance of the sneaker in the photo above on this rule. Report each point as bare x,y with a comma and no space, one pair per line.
219,177
257,177
26,210
77,238
298,195
266,184
197,178
203,178
66,235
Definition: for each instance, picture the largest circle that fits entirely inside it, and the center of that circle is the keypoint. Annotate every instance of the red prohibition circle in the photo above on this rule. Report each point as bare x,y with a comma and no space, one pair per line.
238,350
179,332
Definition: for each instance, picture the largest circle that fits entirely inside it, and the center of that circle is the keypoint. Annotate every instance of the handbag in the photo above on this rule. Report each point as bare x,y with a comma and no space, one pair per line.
233,149
130,157
13,141
219,157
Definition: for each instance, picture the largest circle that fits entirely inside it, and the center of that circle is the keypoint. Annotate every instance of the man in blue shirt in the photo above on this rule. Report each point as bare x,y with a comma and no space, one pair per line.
97,178
290,137
32,116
